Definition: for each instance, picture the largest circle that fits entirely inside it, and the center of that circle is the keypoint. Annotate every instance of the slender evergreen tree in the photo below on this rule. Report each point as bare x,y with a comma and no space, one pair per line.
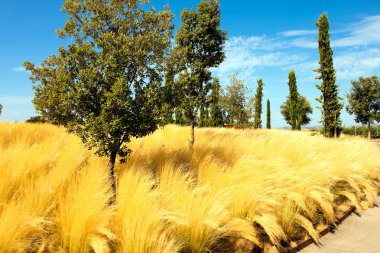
258,104
294,101
268,115
216,113
330,100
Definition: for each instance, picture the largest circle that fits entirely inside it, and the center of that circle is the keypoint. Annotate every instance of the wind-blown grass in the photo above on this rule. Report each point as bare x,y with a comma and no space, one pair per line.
258,187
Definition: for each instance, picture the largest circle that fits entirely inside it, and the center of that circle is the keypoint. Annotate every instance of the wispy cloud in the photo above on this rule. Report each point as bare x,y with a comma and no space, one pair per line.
246,54
15,101
16,108
296,33
351,65
19,69
363,33
305,43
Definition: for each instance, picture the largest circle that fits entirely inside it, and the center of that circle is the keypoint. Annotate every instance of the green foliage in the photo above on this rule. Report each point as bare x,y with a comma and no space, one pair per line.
179,118
52,97
364,100
304,109
204,115
258,104
330,100
236,103
268,115
199,47
36,119
104,86
296,108
1,108
294,102
362,131
216,111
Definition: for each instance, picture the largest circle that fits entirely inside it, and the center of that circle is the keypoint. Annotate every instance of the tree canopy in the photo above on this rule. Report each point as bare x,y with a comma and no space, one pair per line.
216,111
296,108
199,47
236,104
364,100
304,111
330,100
104,85
258,104
268,115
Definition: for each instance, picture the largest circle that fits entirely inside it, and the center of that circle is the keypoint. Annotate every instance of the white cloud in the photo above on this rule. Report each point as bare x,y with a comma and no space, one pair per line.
15,101
352,64
296,33
304,70
365,32
16,108
305,43
246,54
19,69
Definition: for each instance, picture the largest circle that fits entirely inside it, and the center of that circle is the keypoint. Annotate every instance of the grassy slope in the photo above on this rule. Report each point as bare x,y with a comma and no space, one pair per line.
264,186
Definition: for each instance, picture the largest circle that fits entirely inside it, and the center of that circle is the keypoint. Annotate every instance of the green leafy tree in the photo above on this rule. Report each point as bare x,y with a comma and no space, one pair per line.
169,95
216,112
1,108
53,97
199,47
364,101
236,103
303,112
330,100
296,106
106,82
258,104
268,115
204,117
36,119
179,117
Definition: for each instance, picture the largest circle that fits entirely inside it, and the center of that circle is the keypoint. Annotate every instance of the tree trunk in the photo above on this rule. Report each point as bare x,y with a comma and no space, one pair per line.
192,138
111,171
369,130
335,131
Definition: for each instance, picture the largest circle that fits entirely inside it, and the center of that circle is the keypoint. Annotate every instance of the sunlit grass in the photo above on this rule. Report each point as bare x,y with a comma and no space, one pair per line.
268,187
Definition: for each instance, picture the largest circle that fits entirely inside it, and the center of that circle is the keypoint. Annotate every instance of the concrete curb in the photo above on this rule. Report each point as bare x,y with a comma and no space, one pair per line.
309,241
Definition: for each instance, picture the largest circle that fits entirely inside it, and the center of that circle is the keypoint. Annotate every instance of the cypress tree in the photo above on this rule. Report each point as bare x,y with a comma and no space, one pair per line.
268,115
329,98
216,113
257,104
293,99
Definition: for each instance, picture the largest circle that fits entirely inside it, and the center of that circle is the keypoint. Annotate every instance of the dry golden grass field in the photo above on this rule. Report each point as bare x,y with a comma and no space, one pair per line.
235,188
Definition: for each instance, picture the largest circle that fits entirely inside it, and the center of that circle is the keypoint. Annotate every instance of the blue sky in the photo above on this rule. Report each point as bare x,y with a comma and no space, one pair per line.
266,40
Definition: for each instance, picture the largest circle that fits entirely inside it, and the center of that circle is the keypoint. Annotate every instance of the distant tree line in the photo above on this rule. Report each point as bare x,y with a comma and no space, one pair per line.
362,131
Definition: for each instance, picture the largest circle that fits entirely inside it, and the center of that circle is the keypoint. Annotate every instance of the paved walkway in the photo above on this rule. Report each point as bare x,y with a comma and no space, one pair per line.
355,235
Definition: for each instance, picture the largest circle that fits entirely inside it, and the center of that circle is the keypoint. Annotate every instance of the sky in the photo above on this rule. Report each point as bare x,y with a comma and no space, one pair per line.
266,39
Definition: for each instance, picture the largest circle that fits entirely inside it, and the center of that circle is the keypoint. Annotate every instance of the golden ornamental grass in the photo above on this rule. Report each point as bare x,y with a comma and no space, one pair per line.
268,187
